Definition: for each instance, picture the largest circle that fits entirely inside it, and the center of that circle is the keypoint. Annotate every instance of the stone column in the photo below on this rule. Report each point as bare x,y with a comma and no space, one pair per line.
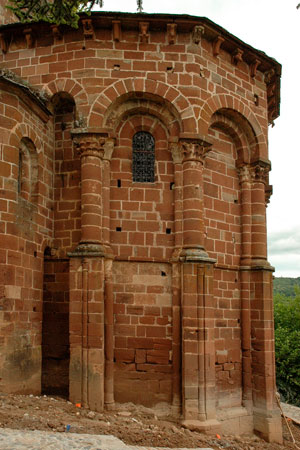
193,153
259,173
176,278
108,151
87,280
245,278
91,150
108,293
197,318
266,414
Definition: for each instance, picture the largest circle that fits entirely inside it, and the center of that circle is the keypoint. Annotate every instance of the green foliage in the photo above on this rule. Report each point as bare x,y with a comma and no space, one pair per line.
287,345
54,11
286,286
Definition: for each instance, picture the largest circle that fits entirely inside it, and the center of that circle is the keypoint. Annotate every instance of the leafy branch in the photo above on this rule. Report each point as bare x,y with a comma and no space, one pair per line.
54,11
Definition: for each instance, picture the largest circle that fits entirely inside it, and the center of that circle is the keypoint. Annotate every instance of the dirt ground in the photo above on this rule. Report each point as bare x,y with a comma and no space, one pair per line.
133,425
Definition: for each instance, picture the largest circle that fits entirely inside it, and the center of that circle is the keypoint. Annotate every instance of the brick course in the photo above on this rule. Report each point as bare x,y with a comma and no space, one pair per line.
155,292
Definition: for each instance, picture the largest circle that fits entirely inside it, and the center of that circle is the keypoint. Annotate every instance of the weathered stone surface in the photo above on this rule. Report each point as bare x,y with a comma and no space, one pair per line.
148,292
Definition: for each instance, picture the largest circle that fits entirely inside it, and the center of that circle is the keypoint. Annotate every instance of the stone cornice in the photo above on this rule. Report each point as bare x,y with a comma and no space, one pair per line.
218,37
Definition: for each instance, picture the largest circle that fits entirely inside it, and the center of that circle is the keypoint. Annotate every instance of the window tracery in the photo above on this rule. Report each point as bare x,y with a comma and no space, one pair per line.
143,157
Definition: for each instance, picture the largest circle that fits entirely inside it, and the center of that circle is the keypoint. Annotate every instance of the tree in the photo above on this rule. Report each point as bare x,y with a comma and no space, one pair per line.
59,12
287,345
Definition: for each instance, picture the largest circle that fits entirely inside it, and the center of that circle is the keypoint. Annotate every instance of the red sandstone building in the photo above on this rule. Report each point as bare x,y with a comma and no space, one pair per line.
133,190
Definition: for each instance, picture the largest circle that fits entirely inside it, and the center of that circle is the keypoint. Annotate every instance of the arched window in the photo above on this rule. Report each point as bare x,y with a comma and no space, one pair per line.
143,157
27,176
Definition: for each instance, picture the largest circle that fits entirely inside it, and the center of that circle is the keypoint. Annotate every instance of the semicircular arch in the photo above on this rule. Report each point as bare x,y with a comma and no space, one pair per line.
243,147
241,115
23,131
156,91
74,89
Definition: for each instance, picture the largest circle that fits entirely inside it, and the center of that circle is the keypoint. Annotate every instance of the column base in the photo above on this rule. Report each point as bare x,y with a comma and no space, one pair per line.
195,255
110,406
88,249
258,264
211,426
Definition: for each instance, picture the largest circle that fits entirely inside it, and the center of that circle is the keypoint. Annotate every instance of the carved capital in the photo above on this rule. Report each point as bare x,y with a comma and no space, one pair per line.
176,152
171,31
260,172
244,174
268,193
90,145
198,32
194,149
144,35
108,149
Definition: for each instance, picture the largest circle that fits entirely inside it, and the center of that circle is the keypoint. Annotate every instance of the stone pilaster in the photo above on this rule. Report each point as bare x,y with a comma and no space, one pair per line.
259,382
266,414
198,348
87,332
197,300
245,278
176,278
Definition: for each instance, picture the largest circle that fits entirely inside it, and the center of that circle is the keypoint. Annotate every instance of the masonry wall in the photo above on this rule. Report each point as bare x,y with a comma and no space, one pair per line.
146,323
26,228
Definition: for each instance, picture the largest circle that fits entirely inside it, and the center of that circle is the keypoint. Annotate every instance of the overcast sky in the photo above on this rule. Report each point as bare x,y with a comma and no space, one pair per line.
274,27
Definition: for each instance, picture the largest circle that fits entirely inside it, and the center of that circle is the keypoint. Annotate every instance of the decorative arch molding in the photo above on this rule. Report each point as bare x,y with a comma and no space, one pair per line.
74,89
240,114
244,146
47,243
150,123
25,141
129,106
23,131
28,170
156,91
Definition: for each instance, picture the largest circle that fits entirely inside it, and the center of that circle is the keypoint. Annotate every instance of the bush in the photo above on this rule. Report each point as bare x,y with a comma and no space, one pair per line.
287,346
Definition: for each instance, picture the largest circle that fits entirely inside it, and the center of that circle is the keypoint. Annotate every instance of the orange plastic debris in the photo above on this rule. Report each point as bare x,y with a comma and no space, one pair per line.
78,405
218,436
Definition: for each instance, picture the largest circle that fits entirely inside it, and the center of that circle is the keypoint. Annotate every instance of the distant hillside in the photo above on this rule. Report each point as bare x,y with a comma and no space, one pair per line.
285,286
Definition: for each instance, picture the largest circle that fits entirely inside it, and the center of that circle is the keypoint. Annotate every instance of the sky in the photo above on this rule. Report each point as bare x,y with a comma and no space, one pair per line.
272,26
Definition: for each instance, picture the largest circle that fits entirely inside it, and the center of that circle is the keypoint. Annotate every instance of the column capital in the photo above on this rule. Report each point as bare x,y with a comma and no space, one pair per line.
89,145
175,149
259,171
109,145
194,148
93,142
244,173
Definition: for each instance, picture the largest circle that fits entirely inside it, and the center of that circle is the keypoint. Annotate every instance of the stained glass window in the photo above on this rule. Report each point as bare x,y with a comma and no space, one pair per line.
143,157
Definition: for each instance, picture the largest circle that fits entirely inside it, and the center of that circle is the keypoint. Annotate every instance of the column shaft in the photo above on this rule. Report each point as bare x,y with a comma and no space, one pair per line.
259,173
